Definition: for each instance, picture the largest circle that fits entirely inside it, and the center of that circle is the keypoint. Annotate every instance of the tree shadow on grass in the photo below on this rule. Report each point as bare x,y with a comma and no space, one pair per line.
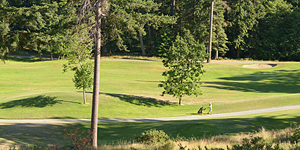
277,81
25,59
38,101
140,100
110,132
24,134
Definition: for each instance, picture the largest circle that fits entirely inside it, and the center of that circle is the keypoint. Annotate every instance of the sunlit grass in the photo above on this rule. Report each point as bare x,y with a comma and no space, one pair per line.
129,89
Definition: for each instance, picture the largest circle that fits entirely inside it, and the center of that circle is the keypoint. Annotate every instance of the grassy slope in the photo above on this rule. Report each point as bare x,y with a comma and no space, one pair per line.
38,89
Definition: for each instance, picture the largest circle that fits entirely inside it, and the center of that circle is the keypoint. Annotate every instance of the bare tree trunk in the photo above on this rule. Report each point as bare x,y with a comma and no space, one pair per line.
104,49
210,31
217,55
142,44
94,119
217,49
180,101
173,10
84,96
150,38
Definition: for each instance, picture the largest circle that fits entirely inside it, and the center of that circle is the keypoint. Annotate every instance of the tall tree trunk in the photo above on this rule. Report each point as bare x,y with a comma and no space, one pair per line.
210,32
94,119
217,54
142,44
173,11
173,8
217,47
150,38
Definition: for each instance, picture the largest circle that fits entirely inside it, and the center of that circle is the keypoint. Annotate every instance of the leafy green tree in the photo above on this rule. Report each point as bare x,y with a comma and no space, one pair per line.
185,67
79,52
83,77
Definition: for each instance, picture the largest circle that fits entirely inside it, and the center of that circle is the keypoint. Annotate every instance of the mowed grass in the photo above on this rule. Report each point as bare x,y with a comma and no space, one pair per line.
123,133
129,89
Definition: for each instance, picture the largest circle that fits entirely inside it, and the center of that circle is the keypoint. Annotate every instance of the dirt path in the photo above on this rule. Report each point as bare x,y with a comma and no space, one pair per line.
195,117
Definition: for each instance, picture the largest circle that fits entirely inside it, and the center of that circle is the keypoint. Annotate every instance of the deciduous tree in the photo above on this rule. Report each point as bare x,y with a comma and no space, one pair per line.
185,67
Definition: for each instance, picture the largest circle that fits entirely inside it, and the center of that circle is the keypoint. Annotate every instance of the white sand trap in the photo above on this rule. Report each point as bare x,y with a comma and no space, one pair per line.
259,66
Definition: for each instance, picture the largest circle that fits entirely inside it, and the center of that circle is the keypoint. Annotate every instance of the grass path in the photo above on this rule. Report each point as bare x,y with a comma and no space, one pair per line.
194,117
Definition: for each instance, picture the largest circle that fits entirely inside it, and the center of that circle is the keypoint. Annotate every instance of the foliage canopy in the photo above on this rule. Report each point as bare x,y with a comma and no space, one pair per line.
184,61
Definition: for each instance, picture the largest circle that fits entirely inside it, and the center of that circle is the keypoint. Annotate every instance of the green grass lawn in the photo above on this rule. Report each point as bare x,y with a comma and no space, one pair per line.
129,89
38,89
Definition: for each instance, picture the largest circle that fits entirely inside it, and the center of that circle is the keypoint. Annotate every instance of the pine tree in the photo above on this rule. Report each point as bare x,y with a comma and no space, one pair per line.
35,25
278,33
202,26
243,16
219,36
4,28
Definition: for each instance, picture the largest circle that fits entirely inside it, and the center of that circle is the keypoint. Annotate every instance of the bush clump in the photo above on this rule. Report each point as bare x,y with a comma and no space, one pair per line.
295,138
153,136
255,143
156,137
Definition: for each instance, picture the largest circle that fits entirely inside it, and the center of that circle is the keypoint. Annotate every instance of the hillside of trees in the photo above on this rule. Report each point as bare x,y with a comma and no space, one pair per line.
257,29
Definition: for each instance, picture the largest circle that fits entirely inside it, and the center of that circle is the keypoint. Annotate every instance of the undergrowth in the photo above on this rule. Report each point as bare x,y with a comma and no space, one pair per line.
284,139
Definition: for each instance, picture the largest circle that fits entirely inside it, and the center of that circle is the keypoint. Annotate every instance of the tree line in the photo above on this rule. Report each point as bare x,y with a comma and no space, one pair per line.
257,29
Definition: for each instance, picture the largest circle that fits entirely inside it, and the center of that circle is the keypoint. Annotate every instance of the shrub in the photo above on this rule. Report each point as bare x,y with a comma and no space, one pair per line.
255,143
77,141
296,136
153,136
158,137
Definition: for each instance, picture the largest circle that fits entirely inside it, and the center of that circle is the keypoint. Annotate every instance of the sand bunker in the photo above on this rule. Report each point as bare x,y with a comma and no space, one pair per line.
260,66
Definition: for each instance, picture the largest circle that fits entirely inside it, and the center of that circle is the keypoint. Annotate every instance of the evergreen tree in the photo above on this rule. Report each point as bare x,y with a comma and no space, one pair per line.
31,24
278,33
243,16
4,28
165,41
219,36
202,26
132,20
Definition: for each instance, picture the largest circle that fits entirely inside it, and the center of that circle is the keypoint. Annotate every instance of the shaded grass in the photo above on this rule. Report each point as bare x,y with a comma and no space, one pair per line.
116,133
202,128
38,101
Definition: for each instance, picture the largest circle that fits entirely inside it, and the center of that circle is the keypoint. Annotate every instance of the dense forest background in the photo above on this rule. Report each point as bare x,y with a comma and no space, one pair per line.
257,29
